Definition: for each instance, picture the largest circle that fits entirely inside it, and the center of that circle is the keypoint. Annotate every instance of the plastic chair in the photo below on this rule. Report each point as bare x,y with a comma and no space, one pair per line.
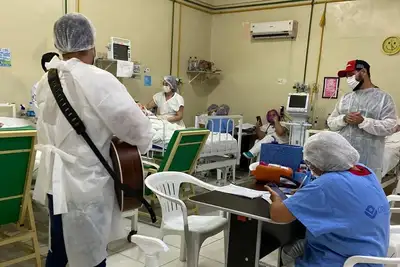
151,247
394,240
351,262
181,155
17,157
194,229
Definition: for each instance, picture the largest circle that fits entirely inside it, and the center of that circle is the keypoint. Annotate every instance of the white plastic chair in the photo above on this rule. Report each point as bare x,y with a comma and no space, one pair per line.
351,262
394,240
194,229
393,258
151,247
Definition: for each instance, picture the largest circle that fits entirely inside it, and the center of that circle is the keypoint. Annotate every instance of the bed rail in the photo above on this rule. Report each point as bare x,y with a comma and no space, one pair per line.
223,128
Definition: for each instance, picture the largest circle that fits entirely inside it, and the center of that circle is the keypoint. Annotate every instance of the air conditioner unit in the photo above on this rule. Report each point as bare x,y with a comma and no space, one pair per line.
273,30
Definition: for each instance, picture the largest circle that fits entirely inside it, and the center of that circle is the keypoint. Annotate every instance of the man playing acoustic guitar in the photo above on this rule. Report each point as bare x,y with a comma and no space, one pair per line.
84,215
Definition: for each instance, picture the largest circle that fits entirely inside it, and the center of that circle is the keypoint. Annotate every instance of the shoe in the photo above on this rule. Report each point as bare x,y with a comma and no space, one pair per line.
248,155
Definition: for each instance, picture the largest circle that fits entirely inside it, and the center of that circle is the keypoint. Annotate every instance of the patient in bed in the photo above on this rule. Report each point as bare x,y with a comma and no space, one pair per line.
272,132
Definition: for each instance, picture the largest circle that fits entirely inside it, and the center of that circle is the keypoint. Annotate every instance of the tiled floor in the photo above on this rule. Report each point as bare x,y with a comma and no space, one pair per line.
123,254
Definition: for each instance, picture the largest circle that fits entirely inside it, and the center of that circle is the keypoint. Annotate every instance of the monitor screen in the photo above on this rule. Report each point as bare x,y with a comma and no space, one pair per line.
298,101
120,52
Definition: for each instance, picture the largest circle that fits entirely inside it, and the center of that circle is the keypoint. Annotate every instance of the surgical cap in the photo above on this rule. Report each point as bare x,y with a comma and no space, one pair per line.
223,110
73,33
330,152
212,107
171,81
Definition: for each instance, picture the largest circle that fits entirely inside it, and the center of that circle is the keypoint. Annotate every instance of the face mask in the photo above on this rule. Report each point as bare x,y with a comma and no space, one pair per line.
166,89
353,83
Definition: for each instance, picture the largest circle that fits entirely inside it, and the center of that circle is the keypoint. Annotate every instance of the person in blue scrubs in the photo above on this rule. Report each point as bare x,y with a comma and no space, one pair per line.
345,210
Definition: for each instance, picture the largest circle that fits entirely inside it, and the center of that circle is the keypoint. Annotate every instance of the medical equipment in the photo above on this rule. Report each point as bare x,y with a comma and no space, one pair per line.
298,103
12,106
119,49
298,107
301,88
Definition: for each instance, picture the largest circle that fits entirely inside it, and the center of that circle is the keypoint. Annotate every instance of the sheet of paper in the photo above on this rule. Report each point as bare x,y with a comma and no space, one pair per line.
267,197
240,191
124,69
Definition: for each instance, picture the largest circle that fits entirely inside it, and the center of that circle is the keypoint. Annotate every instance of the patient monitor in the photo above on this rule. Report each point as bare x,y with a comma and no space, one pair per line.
298,103
119,49
298,108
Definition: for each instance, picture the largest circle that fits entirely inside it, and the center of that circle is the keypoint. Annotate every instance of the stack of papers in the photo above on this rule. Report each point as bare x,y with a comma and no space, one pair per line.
241,191
124,69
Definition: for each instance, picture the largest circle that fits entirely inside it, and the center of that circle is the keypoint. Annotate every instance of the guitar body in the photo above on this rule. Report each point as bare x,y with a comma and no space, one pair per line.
127,164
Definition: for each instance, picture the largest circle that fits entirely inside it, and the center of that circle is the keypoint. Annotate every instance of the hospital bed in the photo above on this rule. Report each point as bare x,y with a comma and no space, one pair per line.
391,161
221,151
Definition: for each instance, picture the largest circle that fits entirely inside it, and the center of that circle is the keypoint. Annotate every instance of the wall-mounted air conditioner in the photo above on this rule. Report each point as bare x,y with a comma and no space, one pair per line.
273,30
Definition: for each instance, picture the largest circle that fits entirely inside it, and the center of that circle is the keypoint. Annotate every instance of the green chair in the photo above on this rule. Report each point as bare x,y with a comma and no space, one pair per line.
181,155
17,157
182,152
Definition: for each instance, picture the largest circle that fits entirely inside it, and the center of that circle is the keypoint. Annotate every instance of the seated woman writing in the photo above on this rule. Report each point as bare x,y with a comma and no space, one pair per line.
274,131
344,210
170,105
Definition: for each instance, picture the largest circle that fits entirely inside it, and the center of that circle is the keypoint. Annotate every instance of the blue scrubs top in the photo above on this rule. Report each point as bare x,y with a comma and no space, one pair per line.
346,214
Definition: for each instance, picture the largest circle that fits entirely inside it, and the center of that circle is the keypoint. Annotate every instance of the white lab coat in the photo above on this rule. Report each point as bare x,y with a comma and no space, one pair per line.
380,119
83,191
169,108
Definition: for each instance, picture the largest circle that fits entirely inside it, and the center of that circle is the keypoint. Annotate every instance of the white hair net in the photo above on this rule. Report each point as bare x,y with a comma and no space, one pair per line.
73,33
330,152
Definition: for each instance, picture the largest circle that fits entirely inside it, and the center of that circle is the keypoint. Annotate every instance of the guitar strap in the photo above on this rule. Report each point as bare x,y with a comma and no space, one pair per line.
80,128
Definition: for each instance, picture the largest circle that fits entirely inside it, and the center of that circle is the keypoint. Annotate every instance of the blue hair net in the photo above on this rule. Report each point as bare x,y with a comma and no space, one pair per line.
171,81
73,33
223,110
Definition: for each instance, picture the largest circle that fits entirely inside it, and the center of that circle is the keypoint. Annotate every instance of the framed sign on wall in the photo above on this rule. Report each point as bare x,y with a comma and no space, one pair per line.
331,87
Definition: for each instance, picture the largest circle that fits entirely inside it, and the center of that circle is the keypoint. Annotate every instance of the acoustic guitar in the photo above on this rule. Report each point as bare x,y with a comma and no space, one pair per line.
128,167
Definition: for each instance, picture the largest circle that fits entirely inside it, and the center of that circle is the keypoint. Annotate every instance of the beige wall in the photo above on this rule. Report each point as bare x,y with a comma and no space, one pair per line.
27,31
147,23
252,69
195,42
